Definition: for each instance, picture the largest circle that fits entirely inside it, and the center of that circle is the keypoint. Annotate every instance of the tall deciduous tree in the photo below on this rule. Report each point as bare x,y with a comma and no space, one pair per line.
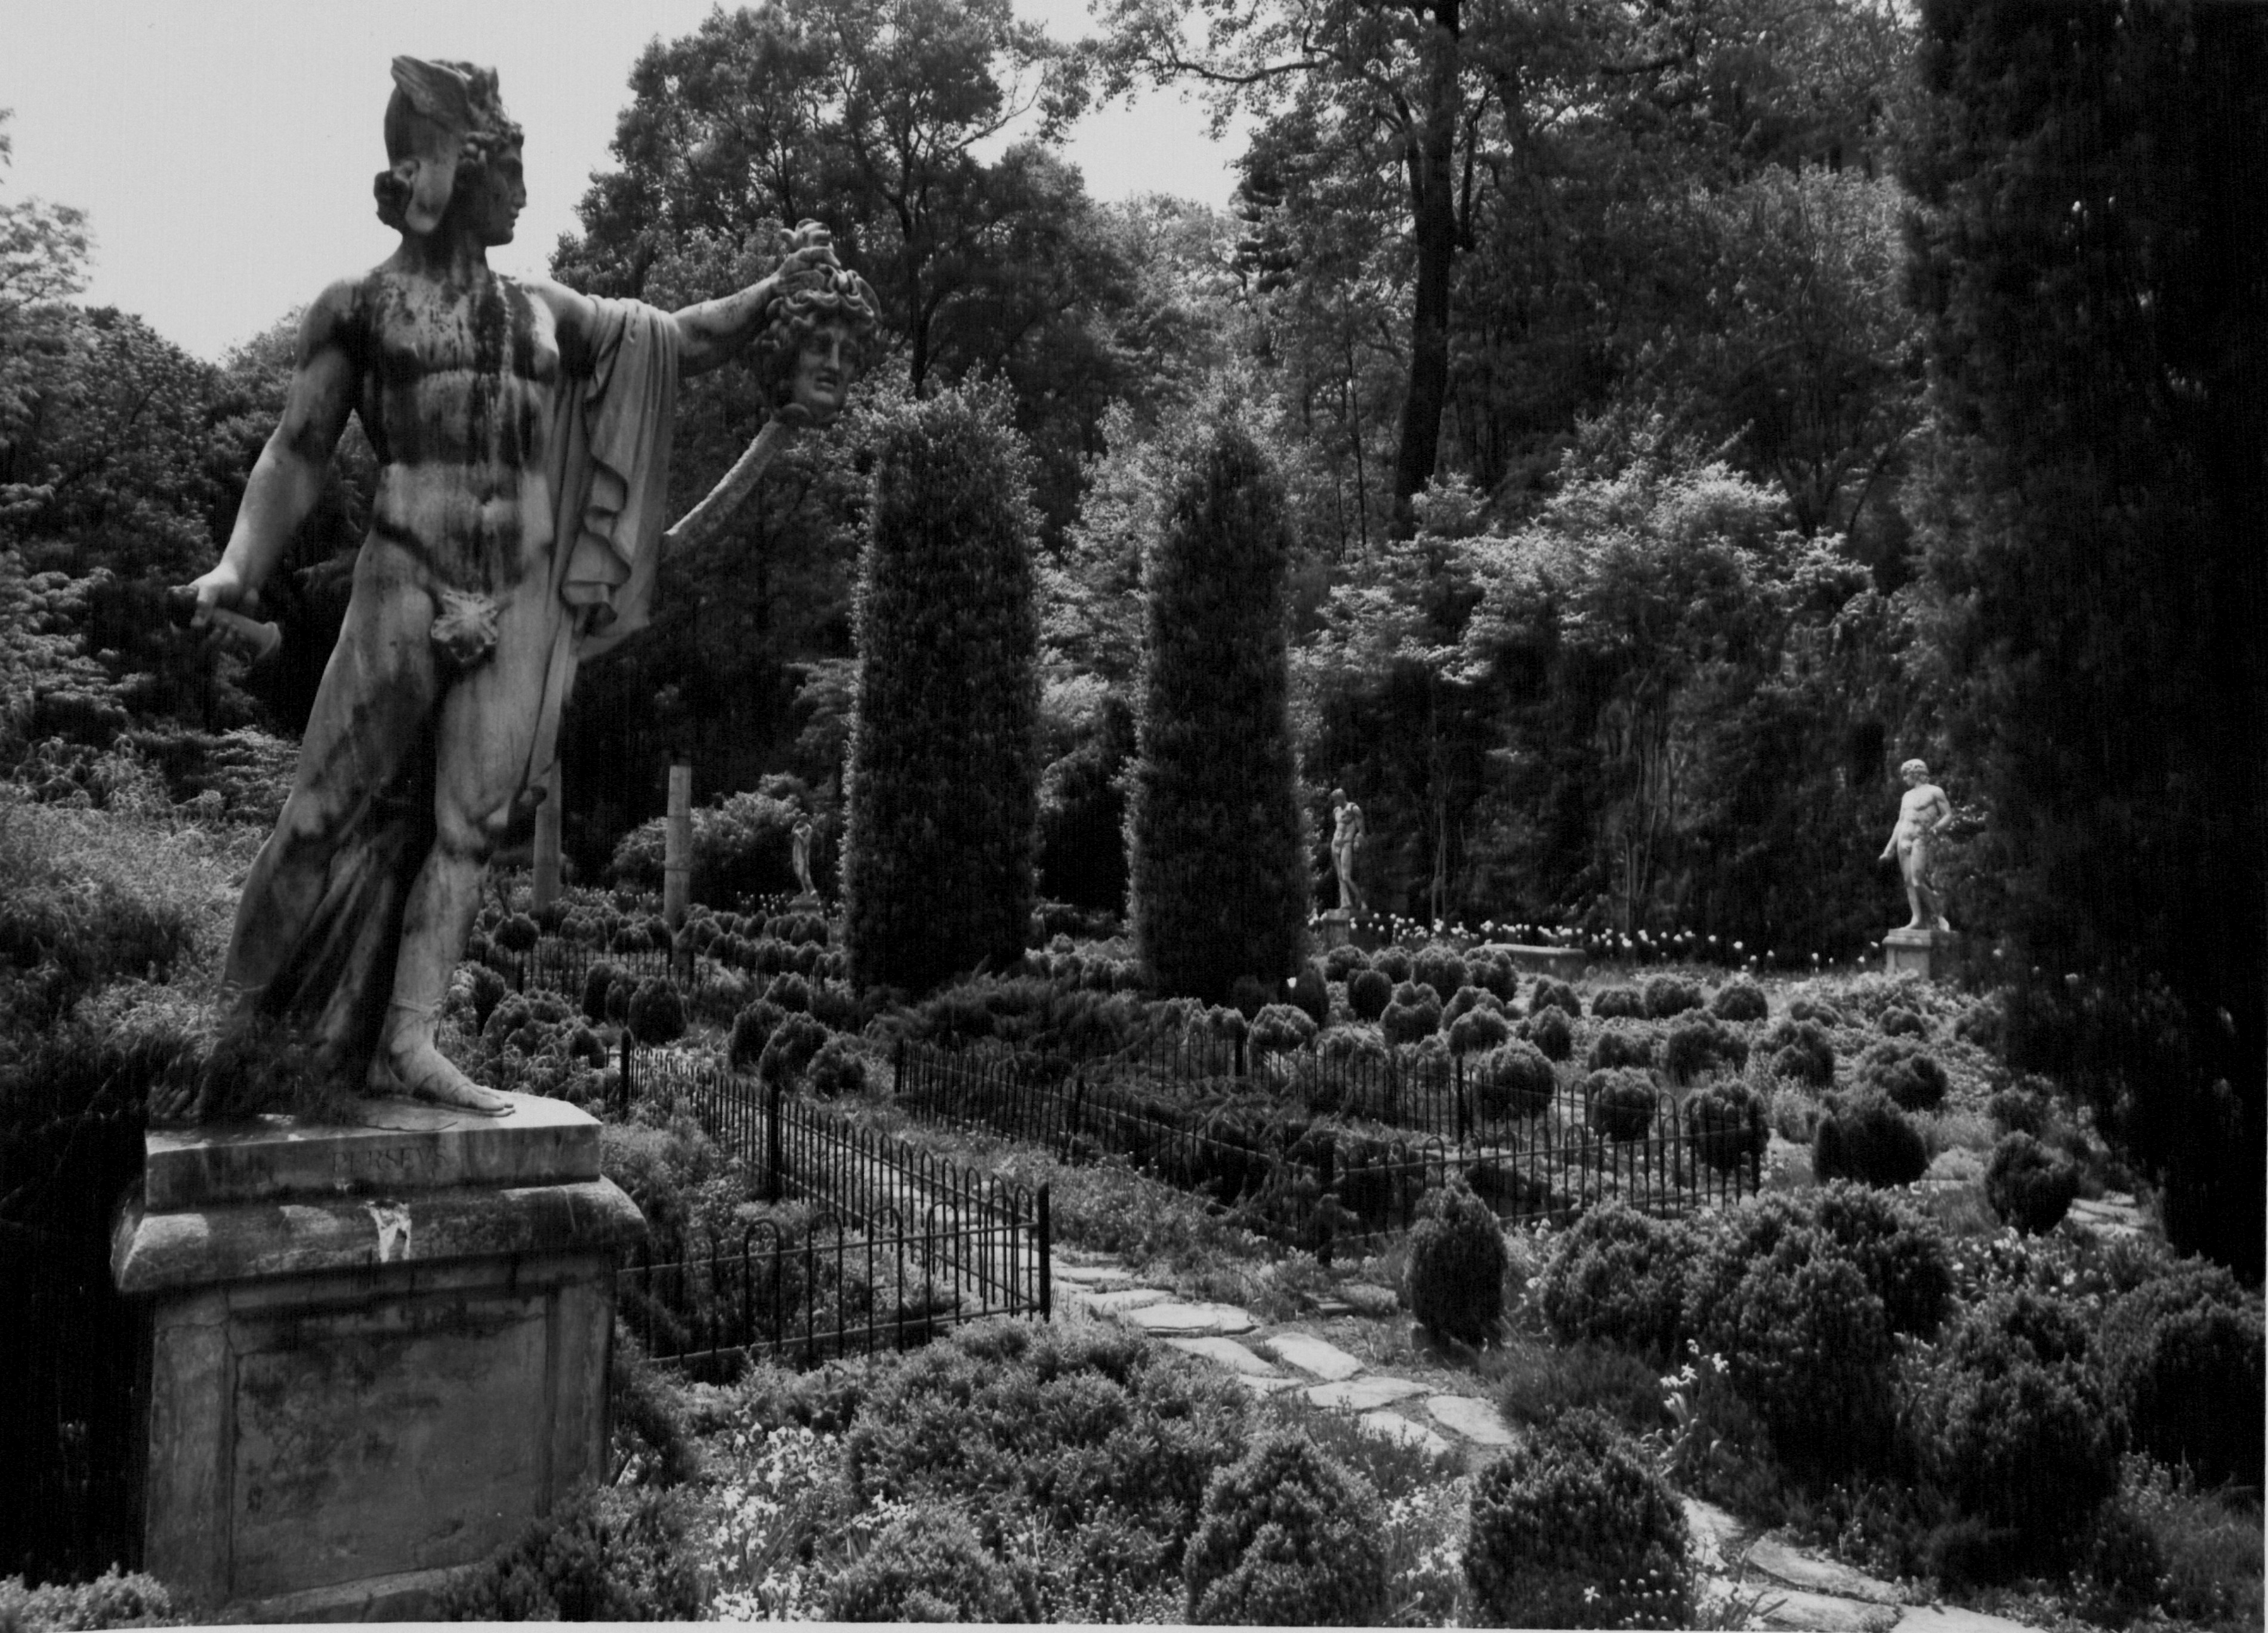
943,786
2093,269
1219,886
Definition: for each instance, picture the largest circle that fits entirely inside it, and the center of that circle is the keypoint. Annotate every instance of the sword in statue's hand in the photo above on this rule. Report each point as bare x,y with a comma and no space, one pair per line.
709,519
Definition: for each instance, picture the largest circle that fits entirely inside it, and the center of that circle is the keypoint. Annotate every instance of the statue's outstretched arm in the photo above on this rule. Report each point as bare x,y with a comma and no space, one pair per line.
713,332
287,480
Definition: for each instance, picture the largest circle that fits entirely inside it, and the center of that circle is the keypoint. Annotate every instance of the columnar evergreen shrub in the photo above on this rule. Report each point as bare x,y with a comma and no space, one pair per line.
2029,1185
1455,1282
942,781
1572,1527
1218,883
1287,1536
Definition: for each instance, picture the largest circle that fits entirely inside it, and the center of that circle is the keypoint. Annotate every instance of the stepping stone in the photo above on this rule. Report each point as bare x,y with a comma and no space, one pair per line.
1952,1619
1477,1421
1168,1320
1821,1613
1125,1299
1093,1276
1714,1531
1313,1356
1263,1387
1394,1426
1228,1353
1361,1394
1784,1563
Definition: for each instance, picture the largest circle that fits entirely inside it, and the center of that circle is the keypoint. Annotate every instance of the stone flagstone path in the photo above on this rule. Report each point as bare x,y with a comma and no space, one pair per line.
1788,1587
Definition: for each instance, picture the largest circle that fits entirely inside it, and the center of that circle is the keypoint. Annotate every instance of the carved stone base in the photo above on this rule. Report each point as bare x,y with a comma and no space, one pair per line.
1334,929
1916,952
375,1352
807,902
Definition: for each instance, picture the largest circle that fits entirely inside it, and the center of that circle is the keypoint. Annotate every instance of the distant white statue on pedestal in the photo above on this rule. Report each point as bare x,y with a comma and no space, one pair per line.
1922,813
1347,831
802,837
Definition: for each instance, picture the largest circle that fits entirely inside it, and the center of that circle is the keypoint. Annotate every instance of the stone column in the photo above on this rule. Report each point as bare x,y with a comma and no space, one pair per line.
677,847
376,1352
546,839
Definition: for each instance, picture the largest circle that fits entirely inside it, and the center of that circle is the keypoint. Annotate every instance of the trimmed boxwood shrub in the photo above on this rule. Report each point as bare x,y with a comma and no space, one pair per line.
928,1565
1368,993
1697,1046
1342,961
2029,1185
1671,994
1440,968
1621,1103
942,773
1310,993
611,1553
1864,1137
1908,1074
1551,1032
1217,874
1807,1344
1617,1276
1618,1002
1620,1045
1395,961
2017,1425
2020,1110
1799,1051
1287,1536
1819,1012
596,982
1279,1026
1494,972
1477,1029
656,1014
1725,1124
1454,1282
1550,994
1572,1527
1897,1021
1414,1015
788,1053
2182,1353
1740,999
836,1069
1513,1080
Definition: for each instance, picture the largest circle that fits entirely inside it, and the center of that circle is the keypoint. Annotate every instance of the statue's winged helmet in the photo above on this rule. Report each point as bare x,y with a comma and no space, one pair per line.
441,114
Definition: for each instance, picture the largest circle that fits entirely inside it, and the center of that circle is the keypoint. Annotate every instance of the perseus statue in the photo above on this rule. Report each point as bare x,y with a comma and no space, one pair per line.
522,433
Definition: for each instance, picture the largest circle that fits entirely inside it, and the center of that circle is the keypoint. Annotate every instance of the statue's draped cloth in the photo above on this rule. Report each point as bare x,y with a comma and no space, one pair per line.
607,479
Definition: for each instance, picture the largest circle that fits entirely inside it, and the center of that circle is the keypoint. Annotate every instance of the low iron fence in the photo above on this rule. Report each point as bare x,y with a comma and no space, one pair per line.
1331,1180
900,1243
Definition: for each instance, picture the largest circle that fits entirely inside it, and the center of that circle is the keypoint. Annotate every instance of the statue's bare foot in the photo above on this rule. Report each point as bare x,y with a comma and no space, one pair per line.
423,1072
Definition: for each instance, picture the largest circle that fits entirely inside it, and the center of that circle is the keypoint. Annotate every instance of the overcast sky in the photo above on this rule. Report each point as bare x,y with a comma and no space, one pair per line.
224,149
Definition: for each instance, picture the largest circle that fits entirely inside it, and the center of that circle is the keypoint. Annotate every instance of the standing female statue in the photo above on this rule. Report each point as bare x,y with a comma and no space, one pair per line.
522,432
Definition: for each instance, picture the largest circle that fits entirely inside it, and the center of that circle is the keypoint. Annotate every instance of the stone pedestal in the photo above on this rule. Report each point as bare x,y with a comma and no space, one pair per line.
375,1352
1916,952
1334,929
807,902
1560,963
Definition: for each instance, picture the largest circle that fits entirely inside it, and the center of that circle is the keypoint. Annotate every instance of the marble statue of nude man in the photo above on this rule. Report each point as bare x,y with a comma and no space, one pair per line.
1921,813
1347,831
522,434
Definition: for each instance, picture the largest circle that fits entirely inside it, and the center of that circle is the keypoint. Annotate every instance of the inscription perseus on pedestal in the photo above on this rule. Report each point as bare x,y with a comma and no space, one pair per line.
522,432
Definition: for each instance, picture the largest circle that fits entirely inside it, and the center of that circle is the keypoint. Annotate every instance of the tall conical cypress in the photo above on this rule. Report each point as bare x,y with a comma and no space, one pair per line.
943,781
1217,870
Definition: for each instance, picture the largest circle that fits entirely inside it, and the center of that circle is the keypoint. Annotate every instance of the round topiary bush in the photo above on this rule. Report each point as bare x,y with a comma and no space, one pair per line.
518,934
1865,1137
789,1051
1551,1032
1550,994
1477,1029
1343,960
2017,1424
1414,1015
1287,1536
1698,1046
1441,968
656,1014
1725,1124
1393,962
836,1069
1618,1002
1279,1026
1310,994
488,990
1671,994
1493,972
1819,1012
1620,1045
1621,1103
1898,1246
2020,1110
1368,993
1740,999
790,991
2182,1355
2029,1185
1455,1282
1466,999
1572,1527
1800,1051
1897,1021
596,982
1908,1074
1617,1276
928,1565
1513,1080
1808,1345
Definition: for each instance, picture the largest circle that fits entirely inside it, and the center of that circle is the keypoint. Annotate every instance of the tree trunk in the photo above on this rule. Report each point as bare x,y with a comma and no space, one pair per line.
1433,202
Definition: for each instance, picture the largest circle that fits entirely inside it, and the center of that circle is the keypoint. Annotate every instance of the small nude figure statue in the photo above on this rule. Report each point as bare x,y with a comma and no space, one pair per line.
1346,844
522,433
1921,813
802,837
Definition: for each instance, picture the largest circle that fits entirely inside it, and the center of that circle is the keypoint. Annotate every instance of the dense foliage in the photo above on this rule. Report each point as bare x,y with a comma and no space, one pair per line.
942,779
